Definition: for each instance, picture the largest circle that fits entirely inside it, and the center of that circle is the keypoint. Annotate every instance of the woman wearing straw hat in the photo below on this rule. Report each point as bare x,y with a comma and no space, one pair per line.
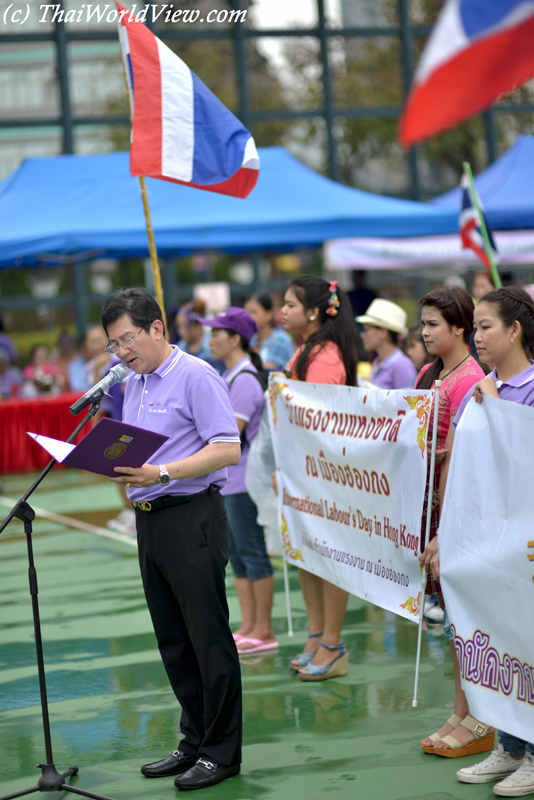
382,323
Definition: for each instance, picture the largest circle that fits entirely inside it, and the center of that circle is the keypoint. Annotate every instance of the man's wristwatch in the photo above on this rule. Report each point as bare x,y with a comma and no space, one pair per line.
164,477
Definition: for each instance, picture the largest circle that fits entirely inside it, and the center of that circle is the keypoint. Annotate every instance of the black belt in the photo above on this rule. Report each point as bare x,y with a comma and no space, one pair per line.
169,500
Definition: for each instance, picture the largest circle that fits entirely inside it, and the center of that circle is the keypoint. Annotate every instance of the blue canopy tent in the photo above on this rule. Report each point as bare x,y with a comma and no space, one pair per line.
506,189
90,206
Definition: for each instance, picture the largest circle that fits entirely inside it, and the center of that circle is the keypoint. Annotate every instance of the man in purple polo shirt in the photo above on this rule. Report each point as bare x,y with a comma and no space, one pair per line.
182,532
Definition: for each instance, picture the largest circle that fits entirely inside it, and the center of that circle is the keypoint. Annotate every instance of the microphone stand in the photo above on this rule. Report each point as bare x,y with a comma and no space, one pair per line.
51,780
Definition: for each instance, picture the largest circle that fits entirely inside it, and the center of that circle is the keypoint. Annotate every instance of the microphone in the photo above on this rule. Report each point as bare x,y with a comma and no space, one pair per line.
117,374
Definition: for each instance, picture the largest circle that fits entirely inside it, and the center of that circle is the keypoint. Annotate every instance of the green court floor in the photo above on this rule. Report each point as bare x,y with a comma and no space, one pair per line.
111,708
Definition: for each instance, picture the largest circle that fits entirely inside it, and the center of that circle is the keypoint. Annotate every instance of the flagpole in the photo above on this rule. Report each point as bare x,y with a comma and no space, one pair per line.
152,250
426,535
288,598
494,273
148,221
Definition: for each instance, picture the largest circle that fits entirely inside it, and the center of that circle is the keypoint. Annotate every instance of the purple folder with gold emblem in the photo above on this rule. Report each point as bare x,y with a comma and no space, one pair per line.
108,445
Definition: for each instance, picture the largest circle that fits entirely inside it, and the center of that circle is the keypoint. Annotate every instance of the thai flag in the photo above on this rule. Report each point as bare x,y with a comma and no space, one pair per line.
477,51
469,226
180,131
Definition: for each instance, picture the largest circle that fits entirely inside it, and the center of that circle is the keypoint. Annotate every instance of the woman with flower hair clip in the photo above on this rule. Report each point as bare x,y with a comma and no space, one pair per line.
321,313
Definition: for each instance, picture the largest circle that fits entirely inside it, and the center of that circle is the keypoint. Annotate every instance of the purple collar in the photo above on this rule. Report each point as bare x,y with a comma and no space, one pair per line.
518,380
170,362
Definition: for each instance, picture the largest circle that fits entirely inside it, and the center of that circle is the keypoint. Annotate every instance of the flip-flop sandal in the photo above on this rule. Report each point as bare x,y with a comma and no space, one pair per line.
256,646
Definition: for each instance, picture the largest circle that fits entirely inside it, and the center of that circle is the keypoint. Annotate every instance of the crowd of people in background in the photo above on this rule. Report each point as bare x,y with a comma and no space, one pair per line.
448,343
394,353
318,333
51,371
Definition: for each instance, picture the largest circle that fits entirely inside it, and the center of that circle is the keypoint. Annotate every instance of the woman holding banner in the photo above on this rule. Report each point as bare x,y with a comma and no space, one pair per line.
322,314
414,347
504,337
447,323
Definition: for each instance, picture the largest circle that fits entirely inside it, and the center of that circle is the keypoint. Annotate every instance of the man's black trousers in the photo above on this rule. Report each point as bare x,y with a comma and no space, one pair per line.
183,552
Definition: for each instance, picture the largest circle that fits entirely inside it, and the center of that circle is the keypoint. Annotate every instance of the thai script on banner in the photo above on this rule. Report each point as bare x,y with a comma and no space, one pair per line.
486,570
354,561
484,665
345,474
350,425
351,471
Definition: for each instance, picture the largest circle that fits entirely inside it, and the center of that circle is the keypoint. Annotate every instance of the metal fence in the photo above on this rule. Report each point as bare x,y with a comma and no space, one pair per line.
67,118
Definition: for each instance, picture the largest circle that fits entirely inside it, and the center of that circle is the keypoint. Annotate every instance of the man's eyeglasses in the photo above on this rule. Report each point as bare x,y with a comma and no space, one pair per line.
113,348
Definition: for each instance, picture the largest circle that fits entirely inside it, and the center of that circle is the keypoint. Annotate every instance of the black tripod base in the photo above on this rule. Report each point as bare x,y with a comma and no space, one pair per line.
53,781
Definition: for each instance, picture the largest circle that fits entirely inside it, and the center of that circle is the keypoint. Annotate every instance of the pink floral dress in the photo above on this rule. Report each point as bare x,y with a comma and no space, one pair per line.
452,391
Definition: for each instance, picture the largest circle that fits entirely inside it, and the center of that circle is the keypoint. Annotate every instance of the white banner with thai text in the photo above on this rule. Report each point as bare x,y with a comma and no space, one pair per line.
351,470
486,546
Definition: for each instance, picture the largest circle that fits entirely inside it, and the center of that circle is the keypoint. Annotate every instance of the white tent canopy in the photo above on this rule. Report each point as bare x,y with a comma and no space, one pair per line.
515,247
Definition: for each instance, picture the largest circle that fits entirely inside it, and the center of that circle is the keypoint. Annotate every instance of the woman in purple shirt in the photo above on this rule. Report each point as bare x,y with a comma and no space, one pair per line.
230,338
504,337
382,324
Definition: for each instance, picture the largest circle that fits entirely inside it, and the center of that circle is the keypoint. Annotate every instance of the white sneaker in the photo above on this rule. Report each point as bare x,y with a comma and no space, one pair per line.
434,614
130,530
520,782
124,521
496,766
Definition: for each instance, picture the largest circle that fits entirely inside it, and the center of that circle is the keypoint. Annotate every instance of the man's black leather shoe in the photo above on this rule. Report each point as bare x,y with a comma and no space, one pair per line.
174,764
204,773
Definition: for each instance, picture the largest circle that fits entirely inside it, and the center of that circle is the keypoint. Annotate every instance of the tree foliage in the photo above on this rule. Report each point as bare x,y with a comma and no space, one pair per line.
367,73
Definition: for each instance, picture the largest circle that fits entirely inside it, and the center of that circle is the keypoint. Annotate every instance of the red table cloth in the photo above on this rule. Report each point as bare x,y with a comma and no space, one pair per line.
49,416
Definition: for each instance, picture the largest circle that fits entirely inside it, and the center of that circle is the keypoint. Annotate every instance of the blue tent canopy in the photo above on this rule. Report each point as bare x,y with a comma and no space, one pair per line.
506,189
90,206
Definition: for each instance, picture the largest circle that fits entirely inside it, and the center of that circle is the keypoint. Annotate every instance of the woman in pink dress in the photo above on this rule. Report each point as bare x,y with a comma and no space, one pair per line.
447,324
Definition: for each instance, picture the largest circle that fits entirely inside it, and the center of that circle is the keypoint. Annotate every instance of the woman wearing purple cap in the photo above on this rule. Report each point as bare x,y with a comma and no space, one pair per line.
504,337
191,333
231,333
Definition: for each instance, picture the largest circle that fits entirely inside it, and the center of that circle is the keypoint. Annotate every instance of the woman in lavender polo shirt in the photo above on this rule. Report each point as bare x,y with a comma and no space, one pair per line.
230,338
504,337
382,323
